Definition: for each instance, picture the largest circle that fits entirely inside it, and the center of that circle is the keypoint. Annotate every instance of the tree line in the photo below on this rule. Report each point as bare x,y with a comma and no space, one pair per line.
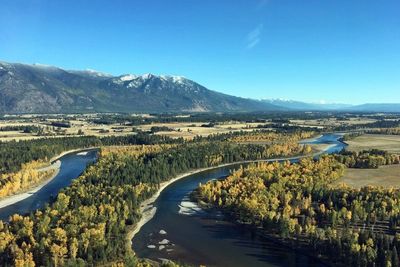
367,159
390,131
21,128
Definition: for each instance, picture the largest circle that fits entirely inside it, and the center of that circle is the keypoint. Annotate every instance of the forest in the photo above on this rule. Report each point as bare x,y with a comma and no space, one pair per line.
15,153
21,161
88,222
301,204
28,176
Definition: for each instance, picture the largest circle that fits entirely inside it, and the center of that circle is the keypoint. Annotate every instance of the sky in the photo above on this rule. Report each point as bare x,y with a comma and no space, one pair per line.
335,51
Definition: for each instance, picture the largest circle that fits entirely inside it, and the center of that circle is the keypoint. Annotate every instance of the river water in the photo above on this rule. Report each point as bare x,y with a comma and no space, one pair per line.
193,236
72,165
198,237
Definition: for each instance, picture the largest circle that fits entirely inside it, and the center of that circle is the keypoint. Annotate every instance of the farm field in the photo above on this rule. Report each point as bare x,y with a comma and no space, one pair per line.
390,143
386,176
190,130
329,122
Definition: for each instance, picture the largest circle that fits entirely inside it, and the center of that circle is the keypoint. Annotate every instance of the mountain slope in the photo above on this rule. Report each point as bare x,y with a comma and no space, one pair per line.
45,89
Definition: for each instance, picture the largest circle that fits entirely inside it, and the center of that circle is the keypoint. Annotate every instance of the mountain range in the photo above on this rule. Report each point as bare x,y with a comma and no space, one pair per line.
38,88
298,105
303,106
35,88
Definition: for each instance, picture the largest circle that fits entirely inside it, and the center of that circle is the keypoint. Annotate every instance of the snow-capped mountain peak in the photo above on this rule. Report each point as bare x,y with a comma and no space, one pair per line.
128,77
98,73
174,79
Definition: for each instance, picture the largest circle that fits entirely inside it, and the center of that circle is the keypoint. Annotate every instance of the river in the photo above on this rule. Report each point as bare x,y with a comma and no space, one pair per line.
72,165
193,236
197,237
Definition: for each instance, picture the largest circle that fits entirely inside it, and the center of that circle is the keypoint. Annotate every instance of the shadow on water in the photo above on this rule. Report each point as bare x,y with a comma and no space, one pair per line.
248,238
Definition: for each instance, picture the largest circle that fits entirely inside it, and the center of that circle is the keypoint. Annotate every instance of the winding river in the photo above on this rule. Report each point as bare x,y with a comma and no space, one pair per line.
72,165
182,232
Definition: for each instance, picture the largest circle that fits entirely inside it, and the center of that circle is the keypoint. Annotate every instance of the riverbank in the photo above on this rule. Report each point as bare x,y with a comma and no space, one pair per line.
309,140
9,200
55,164
55,158
148,210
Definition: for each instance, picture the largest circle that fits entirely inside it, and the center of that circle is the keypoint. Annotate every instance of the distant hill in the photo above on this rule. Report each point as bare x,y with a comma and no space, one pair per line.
375,107
46,89
303,106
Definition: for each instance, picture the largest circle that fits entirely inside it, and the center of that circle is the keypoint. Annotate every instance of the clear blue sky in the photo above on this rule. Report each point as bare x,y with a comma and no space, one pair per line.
334,50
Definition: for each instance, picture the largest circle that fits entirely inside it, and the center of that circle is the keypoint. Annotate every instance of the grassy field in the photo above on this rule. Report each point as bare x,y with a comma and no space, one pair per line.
329,122
386,176
389,143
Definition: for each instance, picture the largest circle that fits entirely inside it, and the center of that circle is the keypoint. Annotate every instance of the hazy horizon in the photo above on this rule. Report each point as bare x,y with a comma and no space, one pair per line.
339,52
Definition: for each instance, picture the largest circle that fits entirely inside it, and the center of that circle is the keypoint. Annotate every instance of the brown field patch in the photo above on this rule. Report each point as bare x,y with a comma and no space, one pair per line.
386,176
329,122
390,143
